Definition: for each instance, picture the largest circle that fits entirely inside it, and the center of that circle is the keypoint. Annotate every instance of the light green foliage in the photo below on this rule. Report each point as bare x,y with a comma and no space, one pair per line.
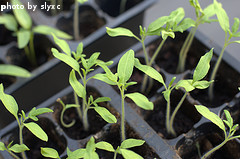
49,152
202,16
189,85
123,148
229,34
12,70
124,72
74,59
25,33
229,135
164,26
12,106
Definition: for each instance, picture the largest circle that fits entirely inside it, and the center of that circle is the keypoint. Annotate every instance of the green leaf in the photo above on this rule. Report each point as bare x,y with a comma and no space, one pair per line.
105,146
91,145
128,154
62,44
157,24
166,94
76,85
93,59
66,59
102,99
105,114
79,153
12,70
22,15
79,51
2,146
207,13
204,111
36,130
9,22
9,102
113,32
129,84
235,25
184,25
237,41
125,66
222,16
186,84
177,15
47,30
19,148
166,34
104,78
141,100
71,106
35,112
229,118
129,143
202,66
49,152
151,72
23,37
202,84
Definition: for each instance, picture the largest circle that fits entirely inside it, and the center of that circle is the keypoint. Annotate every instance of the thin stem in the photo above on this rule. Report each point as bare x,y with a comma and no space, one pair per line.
76,21
143,88
213,75
85,106
156,52
123,116
145,53
168,115
21,137
123,6
184,50
33,59
62,113
214,149
174,114
115,155
13,155
79,111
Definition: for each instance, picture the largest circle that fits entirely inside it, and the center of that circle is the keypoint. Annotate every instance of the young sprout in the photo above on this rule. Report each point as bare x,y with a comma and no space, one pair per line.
229,34
202,16
90,151
11,105
74,59
76,18
85,153
228,135
188,84
25,31
164,26
123,148
124,72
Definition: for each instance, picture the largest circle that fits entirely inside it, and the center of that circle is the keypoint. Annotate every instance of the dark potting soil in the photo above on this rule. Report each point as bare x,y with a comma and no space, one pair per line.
89,21
167,58
96,123
43,53
6,35
112,135
184,120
